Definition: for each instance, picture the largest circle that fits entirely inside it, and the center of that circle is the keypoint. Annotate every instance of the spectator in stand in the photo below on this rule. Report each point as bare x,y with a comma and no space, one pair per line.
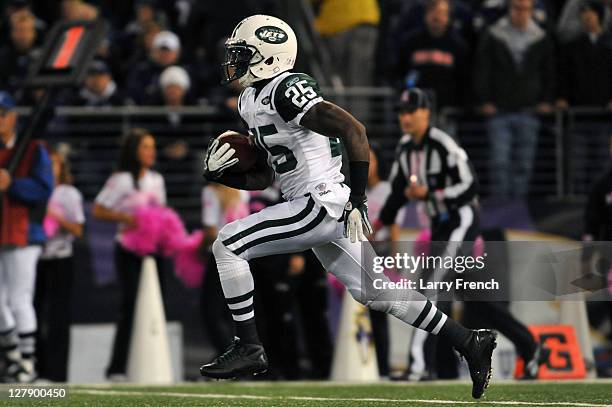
132,45
99,88
350,29
18,55
586,80
206,27
133,185
488,13
146,12
175,129
143,81
514,74
585,74
25,195
74,10
16,7
435,57
570,24
412,18
53,296
174,86
126,53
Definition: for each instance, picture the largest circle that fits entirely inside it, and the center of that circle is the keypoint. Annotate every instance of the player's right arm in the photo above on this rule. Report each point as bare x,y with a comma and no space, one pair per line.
260,177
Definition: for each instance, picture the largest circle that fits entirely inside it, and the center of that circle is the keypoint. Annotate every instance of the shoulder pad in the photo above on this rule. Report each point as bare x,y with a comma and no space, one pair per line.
293,95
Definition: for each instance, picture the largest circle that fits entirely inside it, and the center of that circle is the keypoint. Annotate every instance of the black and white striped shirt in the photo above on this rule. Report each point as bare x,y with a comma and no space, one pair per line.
439,163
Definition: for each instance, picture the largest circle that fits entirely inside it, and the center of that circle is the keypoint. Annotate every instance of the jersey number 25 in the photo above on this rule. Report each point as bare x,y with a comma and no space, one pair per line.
299,94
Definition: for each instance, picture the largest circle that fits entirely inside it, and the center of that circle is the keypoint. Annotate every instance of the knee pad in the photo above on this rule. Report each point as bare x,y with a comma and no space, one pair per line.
228,264
219,250
382,306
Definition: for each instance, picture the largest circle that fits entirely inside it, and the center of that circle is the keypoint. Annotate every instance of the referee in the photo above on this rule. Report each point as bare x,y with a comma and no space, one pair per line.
431,167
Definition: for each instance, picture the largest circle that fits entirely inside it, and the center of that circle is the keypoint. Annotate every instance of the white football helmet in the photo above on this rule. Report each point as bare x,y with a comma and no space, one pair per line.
260,47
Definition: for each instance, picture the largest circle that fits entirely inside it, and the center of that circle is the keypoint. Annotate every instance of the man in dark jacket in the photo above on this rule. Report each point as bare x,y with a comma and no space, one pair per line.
586,80
586,62
514,73
435,57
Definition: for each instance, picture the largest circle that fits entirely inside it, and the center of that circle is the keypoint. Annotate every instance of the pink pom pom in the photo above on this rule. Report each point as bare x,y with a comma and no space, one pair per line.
50,226
479,247
336,285
256,206
144,238
422,243
188,265
173,233
237,212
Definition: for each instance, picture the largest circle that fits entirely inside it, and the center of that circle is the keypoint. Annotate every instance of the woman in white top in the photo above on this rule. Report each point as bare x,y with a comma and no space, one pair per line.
220,205
55,273
134,185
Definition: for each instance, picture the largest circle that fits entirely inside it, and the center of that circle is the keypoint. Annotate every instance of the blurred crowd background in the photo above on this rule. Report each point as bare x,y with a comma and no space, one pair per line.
525,80
525,85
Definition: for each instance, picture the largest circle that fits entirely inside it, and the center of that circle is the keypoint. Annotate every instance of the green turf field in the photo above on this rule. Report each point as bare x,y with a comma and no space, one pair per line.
585,394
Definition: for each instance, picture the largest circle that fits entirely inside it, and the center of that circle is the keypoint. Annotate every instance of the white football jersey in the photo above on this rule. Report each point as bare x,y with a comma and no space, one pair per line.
301,158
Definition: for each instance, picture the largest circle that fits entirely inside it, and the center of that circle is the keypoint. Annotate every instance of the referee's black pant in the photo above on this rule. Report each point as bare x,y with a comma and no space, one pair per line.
446,235
440,359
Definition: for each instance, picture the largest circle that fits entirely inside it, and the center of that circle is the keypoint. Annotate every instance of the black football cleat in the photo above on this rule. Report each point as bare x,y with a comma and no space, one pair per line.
532,366
238,360
478,355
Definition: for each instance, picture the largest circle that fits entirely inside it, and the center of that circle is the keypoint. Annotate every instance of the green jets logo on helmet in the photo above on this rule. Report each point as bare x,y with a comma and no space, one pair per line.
271,34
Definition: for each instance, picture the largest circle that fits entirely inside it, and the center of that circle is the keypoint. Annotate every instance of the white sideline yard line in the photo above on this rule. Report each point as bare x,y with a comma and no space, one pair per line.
326,399
332,383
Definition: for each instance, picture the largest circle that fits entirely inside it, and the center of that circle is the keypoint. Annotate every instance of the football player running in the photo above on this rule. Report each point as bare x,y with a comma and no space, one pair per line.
299,136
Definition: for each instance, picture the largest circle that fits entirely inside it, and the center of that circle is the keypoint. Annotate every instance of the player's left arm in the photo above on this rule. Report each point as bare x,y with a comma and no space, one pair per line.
299,101
332,121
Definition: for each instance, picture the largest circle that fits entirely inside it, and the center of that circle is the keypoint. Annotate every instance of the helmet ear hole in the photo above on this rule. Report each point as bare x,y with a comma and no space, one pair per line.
269,61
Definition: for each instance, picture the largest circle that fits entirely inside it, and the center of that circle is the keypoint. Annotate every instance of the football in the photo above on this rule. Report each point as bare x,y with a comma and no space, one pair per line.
246,152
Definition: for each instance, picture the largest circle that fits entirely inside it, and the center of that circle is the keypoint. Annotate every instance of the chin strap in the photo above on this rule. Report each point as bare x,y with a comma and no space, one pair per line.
248,79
